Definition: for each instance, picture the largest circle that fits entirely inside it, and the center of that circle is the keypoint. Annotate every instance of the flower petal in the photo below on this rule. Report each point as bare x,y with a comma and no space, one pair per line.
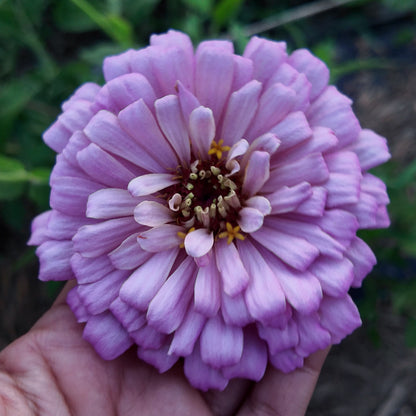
107,336
295,251
103,167
288,198
202,131
129,317
250,219
234,276
279,339
169,117
110,203
138,290
150,183
128,255
158,358
89,270
54,259
207,297
152,214
198,242
168,308
240,111
221,344
257,172
160,238
97,239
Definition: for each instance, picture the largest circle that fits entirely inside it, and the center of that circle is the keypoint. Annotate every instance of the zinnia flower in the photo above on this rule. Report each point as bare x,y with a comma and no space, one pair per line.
207,206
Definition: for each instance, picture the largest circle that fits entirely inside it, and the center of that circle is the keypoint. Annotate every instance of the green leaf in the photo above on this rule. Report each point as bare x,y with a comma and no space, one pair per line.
13,177
410,334
39,187
202,7
226,10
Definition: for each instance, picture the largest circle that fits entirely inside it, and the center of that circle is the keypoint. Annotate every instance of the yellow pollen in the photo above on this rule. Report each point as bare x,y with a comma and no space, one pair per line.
231,233
182,235
217,148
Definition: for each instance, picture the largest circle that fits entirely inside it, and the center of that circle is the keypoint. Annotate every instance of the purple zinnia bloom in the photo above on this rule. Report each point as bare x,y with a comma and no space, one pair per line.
207,205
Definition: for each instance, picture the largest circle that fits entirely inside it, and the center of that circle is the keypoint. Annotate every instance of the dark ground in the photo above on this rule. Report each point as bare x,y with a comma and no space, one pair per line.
359,378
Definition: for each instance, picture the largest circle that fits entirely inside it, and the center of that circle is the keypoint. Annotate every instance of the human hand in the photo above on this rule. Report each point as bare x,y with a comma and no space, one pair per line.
52,370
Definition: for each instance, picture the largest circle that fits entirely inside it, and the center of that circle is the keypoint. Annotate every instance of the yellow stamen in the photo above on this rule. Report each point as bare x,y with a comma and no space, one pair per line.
182,235
217,148
231,233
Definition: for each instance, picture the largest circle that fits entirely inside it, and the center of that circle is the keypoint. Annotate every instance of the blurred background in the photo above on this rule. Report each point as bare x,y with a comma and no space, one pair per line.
49,47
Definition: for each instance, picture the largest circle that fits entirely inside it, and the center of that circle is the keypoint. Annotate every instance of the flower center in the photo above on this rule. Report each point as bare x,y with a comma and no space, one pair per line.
208,195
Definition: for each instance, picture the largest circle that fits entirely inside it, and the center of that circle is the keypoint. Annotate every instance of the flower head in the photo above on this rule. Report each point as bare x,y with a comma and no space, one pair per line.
207,205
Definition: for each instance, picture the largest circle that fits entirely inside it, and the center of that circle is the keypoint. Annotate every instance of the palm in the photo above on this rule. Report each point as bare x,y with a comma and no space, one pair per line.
53,371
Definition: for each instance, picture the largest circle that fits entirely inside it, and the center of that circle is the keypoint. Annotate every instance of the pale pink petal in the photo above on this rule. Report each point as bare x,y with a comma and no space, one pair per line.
103,167
333,109
335,276
63,227
326,244
266,56
107,336
221,344
264,296
292,130
207,297
169,117
76,143
311,168
250,219
314,205
129,317
97,296
57,136
97,239
54,259
371,149
279,339
158,358
117,65
152,214
275,104
187,101
260,203
110,203
234,310
39,229
160,238
148,338
148,137
151,183
312,335
124,90
104,130
314,69
128,255
257,172
142,285
202,131
253,361
89,270
339,316
295,251
288,198
70,195
167,309
362,258
201,375
86,92
234,276
302,290
187,334
243,72
77,308
240,111
287,360
198,242
213,78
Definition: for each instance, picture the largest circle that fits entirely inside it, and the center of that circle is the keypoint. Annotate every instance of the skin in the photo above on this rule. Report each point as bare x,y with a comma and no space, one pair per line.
51,370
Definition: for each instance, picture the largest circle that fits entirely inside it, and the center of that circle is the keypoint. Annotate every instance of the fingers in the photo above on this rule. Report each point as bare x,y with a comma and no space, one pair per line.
282,394
227,402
